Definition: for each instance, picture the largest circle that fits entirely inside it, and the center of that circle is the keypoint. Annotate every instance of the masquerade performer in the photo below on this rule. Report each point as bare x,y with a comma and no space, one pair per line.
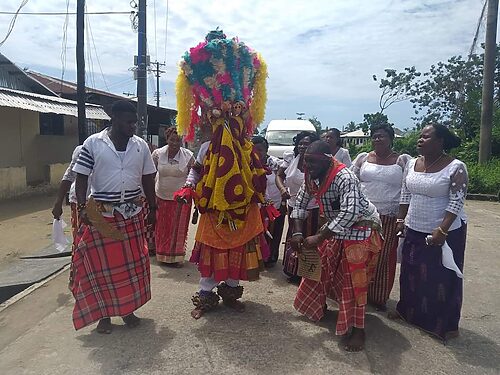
348,244
224,80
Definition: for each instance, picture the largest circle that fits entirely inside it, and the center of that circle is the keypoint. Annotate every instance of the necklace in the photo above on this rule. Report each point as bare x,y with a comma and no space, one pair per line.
383,157
433,163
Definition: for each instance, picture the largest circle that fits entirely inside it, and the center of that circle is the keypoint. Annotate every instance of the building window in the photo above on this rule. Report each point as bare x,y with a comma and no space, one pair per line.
93,126
51,124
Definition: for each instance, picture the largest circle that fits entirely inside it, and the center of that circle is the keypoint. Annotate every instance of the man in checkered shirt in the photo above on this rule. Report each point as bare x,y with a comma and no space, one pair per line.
348,244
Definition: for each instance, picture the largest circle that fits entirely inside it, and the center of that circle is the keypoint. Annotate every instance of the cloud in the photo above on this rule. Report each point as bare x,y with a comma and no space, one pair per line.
321,54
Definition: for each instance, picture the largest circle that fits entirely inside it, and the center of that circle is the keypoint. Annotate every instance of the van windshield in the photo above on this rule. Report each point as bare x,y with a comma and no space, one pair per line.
281,137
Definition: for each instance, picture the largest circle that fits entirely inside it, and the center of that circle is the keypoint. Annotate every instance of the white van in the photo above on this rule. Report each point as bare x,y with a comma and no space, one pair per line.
280,133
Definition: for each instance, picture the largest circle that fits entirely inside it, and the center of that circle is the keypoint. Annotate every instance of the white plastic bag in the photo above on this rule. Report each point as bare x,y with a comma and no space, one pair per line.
449,261
58,237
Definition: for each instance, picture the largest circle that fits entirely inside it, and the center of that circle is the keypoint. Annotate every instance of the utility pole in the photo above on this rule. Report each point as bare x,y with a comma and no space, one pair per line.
80,70
157,72
488,82
142,63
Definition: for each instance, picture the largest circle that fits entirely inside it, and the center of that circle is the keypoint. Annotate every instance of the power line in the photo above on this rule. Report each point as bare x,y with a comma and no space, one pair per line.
97,54
89,52
13,21
121,82
64,45
478,28
59,13
166,33
154,21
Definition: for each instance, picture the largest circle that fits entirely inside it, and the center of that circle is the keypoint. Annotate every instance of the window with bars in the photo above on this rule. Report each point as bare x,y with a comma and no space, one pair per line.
51,124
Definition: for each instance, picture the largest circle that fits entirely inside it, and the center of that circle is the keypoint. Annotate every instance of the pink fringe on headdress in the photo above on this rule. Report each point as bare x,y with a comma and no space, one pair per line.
225,79
198,54
217,94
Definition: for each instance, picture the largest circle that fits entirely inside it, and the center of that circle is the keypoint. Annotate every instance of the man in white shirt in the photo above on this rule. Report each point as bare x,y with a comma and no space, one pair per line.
110,262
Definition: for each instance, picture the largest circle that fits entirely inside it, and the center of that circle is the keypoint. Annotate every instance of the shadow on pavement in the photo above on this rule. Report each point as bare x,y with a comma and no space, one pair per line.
188,273
380,340
276,274
276,344
128,349
475,349
265,343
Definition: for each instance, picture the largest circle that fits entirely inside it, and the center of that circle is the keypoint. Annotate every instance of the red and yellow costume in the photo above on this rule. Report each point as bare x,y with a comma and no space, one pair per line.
224,80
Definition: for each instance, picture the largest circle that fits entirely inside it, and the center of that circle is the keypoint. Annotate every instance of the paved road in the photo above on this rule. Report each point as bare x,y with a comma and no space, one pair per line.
269,338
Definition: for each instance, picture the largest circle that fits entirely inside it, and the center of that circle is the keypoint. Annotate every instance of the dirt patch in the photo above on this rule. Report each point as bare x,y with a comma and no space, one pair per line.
26,226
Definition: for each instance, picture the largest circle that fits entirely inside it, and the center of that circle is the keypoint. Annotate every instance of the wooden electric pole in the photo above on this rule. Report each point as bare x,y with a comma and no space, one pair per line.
142,64
157,72
488,82
80,70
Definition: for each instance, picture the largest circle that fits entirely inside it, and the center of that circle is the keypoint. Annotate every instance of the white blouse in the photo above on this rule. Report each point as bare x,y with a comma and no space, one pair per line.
294,180
343,156
430,195
272,191
381,183
172,173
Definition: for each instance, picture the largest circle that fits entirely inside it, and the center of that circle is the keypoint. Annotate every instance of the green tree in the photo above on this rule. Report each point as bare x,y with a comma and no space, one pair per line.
351,126
448,93
396,87
317,124
372,119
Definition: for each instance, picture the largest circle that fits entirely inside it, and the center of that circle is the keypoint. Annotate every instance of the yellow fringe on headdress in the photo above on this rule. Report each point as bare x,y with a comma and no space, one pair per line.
258,105
185,102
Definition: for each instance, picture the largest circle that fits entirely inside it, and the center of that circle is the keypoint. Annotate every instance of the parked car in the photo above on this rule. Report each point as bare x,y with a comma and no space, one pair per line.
280,133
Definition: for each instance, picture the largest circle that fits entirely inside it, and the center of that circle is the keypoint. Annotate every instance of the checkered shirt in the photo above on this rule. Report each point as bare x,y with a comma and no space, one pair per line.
344,205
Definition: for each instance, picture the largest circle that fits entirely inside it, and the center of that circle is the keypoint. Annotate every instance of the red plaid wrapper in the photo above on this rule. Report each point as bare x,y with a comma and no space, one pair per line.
336,284
111,278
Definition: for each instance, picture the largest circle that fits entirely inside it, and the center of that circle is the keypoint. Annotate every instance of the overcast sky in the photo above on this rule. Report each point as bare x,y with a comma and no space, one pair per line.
321,54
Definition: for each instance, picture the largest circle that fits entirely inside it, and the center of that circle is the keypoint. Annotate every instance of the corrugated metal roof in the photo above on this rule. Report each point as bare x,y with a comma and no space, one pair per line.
15,78
48,104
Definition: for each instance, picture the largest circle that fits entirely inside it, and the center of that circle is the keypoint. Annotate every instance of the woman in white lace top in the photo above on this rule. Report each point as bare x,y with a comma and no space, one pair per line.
381,174
173,163
432,201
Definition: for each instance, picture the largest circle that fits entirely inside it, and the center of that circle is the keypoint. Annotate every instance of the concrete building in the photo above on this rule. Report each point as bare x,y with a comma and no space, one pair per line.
158,117
359,137
38,131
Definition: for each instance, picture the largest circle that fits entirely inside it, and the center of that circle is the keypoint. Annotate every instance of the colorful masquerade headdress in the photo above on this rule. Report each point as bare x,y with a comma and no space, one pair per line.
220,76
224,81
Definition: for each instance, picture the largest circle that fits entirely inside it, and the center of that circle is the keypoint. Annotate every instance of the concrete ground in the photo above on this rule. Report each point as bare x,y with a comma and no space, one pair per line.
37,336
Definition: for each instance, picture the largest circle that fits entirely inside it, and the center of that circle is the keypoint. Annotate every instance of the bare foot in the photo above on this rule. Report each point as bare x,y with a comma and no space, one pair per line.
104,326
356,341
197,313
131,321
235,304
393,315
